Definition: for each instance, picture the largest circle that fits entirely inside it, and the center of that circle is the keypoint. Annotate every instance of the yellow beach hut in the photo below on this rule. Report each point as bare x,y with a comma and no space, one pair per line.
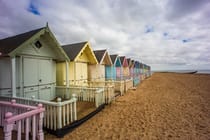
81,55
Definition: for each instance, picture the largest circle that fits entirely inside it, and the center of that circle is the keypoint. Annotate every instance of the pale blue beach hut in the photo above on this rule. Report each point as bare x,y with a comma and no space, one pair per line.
113,69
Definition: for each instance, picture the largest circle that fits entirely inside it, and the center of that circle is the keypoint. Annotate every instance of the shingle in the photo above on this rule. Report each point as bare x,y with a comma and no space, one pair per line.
9,44
72,50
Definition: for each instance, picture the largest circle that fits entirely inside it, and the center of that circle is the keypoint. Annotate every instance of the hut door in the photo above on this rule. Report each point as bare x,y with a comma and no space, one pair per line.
81,73
5,76
30,68
37,77
45,79
30,77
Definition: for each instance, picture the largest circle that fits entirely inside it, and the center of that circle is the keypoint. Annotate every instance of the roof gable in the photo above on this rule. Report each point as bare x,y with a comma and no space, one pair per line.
7,45
12,46
115,60
72,50
137,64
103,57
76,50
123,61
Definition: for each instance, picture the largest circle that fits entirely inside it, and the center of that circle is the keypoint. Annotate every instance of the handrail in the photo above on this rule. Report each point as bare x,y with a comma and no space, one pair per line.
57,114
22,113
35,110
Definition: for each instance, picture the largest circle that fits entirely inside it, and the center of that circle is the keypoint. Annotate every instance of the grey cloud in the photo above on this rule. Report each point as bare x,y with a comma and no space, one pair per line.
181,8
119,26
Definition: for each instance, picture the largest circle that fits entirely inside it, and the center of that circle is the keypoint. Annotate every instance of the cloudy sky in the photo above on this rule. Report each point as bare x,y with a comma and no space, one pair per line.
166,34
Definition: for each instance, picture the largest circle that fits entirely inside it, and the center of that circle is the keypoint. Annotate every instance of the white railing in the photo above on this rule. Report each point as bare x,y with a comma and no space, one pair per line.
108,87
83,94
117,85
128,84
23,119
57,114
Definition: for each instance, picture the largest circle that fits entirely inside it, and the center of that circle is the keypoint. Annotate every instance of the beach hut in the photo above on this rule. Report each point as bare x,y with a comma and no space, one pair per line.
142,71
128,83
117,75
28,64
131,67
116,64
136,79
81,55
125,67
97,72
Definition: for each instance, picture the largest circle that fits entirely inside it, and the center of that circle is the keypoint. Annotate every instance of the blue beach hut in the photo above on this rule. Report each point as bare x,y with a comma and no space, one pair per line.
113,69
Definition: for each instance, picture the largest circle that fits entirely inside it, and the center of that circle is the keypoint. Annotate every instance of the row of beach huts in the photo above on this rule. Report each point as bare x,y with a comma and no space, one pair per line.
41,82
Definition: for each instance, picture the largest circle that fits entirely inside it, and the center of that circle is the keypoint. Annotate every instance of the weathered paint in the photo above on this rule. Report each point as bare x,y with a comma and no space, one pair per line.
125,67
109,72
119,73
105,62
96,72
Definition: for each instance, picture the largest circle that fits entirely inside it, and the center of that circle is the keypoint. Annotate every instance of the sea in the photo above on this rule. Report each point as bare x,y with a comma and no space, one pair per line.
186,71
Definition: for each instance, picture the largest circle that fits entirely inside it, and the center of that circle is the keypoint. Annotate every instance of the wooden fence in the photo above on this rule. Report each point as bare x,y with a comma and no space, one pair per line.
117,86
109,89
128,84
82,93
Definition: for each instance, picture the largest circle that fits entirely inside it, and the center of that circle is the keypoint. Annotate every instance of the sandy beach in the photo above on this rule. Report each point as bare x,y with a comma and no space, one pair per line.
164,106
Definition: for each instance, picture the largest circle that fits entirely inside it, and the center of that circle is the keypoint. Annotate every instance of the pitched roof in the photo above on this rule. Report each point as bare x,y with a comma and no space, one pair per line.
122,59
113,58
129,61
72,50
99,54
9,44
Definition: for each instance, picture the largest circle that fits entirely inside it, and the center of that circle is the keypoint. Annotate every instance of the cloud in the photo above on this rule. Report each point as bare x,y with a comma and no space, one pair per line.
182,8
33,8
164,34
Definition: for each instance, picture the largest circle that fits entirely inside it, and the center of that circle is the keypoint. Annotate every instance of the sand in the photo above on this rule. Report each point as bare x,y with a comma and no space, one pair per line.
164,106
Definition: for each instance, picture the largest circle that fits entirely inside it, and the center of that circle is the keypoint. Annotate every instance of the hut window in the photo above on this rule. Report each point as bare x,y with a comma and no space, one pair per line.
38,44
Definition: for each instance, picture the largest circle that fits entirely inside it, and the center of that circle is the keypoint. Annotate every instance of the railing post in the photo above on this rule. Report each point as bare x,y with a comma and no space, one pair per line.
59,113
8,127
13,101
96,99
74,96
40,124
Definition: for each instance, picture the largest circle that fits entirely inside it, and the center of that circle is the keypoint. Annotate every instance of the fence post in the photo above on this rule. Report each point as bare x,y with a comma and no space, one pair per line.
8,127
74,96
40,124
59,113
96,98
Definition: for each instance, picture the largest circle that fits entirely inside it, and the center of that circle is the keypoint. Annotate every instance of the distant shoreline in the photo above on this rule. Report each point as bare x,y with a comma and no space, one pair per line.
183,71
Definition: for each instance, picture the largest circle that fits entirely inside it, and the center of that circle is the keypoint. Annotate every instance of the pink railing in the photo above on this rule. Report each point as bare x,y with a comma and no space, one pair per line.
57,114
24,119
